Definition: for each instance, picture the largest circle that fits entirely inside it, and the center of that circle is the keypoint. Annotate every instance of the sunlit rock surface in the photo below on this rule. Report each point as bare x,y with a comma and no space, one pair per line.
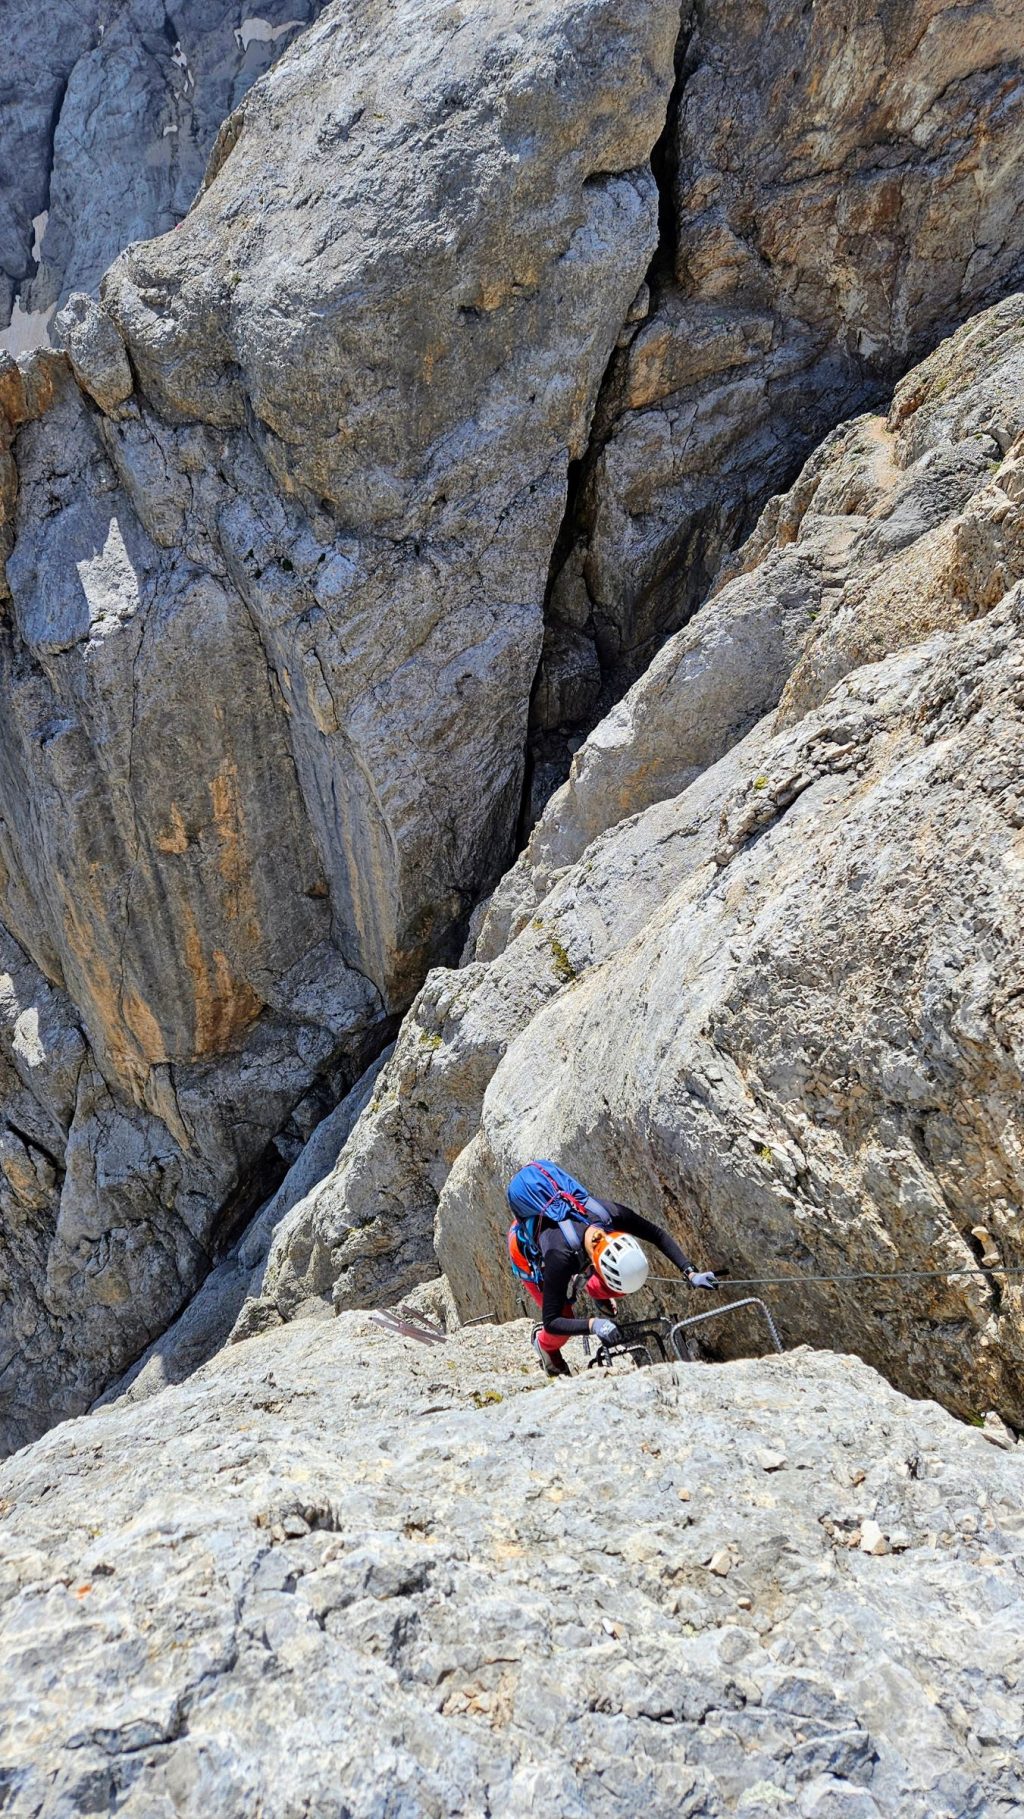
341,1571
109,114
754,973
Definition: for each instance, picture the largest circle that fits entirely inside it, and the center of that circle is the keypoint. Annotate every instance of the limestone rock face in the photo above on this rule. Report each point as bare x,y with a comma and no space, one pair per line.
841,188
339,1571
897,526
754,973
109,114
810,1060
373,1213
270,625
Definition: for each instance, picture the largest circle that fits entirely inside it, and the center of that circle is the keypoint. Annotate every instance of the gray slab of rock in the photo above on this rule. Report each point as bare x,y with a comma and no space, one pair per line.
800,1065
44,43
336,1566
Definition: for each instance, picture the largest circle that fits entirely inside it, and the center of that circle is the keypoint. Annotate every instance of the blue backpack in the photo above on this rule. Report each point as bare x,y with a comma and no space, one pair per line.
543,1190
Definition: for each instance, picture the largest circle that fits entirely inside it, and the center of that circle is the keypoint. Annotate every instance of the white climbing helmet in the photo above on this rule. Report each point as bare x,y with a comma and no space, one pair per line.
620,1262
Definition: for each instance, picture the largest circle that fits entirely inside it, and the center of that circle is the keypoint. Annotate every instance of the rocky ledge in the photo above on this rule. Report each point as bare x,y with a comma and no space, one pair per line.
337,1572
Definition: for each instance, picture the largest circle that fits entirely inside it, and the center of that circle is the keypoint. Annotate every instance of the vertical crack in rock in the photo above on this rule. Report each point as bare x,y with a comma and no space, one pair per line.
574,686
827,233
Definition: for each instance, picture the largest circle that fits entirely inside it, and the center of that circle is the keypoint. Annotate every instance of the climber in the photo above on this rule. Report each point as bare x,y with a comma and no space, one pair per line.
558,1228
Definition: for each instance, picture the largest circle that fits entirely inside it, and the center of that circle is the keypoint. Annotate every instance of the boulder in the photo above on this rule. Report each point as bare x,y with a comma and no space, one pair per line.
96,351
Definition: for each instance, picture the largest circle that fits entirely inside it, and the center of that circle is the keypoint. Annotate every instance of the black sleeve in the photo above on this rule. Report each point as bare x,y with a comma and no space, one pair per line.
560,1266
639,1227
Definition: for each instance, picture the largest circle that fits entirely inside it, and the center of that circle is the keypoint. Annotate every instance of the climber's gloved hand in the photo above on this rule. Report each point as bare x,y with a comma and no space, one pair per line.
605,1330
702,1279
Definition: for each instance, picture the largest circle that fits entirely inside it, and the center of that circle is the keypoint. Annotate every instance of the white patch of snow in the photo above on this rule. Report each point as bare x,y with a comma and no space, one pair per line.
25,1042
109,583
29,329
260,31
38,230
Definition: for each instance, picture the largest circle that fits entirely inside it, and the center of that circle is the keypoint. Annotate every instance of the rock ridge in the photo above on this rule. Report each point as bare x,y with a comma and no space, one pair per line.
669,989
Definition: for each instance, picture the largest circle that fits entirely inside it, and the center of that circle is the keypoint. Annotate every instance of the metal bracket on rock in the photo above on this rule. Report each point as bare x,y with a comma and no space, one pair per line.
410,1324
640,1339
730,1307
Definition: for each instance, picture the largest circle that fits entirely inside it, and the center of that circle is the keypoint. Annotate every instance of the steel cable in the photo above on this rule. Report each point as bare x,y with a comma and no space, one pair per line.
731,1282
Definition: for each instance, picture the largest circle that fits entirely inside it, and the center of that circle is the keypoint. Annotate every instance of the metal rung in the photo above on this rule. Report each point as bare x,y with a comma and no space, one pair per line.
416,1328
637,1340
731,1307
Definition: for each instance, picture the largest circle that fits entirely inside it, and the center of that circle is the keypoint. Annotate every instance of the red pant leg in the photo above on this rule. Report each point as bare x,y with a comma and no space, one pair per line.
599,1291
549,1342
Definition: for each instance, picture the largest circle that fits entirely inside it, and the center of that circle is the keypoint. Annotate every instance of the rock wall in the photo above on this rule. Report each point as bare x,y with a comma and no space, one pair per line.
754,972
841,185
109,114
339,1571
450,390
277,534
